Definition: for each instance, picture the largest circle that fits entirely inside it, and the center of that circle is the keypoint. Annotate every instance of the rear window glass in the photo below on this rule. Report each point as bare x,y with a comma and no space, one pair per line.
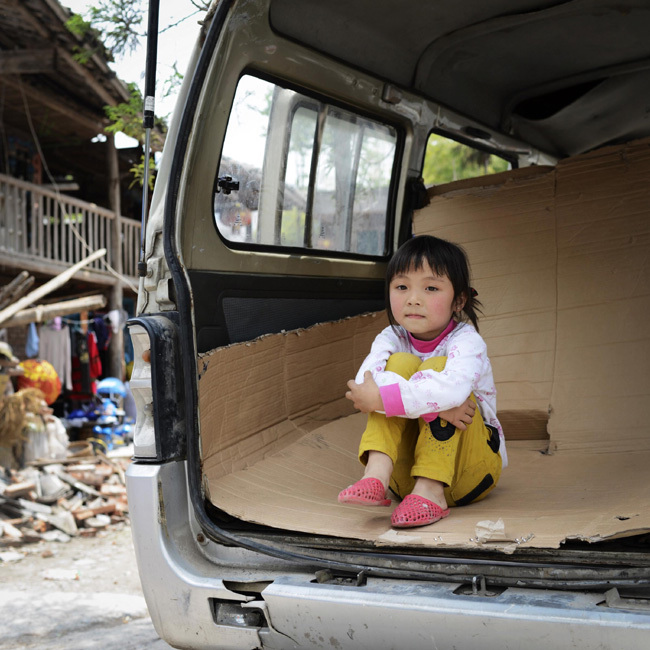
298,172
447,160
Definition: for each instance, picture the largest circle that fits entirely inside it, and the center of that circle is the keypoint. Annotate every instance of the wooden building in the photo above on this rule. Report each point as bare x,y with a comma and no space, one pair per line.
64,187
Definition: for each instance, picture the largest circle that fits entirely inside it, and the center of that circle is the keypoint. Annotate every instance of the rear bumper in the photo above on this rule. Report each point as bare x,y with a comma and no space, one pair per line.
204,595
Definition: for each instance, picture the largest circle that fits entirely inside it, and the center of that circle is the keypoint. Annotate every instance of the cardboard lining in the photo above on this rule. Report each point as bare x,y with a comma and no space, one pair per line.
559,258
540,501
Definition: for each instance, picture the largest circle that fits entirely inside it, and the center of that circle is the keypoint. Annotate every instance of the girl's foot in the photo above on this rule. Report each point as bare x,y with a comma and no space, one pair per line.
366,492
430,490
417,511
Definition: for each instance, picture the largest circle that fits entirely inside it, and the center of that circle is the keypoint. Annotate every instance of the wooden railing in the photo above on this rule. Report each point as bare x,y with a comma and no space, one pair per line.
40,223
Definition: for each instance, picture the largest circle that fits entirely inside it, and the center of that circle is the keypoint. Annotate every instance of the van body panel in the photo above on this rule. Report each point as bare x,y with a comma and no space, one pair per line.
224,271
185,575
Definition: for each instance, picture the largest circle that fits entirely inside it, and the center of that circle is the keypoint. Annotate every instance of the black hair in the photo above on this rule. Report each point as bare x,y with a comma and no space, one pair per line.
444,258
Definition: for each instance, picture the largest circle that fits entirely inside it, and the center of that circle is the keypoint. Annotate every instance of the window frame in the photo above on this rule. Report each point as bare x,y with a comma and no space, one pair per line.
311,99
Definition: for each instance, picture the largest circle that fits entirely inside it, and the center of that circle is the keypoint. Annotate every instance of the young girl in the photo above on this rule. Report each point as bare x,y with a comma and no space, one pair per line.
419,385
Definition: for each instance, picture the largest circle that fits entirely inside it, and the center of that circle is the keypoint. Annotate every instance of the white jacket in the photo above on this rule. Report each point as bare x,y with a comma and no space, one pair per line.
427,392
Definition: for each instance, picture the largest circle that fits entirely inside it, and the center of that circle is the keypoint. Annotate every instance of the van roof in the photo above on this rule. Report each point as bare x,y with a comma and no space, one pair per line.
565,77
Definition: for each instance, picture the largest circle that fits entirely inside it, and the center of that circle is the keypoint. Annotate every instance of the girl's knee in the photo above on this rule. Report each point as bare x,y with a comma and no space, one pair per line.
403,364
434,363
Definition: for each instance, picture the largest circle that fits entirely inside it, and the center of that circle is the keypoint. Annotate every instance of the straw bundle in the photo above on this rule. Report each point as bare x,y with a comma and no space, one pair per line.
13,411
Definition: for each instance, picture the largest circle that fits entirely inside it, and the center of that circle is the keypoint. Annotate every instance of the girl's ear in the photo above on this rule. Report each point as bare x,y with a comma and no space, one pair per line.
460,302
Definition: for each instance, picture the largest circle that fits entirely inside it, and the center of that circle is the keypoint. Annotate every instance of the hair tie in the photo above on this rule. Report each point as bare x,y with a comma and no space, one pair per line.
473,291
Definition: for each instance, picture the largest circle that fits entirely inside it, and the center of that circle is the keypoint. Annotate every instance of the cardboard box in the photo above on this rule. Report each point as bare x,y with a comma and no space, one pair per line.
559,258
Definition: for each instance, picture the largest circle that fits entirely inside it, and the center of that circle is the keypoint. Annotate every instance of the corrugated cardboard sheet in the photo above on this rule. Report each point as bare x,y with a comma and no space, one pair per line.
560,260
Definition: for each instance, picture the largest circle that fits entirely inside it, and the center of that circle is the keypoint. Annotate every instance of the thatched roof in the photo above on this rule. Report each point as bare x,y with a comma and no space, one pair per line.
37,60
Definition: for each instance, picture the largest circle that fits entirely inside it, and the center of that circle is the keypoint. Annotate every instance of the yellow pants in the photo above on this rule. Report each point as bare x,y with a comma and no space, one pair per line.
467,462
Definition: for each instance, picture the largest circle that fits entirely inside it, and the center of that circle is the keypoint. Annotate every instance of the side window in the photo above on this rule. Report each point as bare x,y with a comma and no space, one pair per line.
298,172
446,160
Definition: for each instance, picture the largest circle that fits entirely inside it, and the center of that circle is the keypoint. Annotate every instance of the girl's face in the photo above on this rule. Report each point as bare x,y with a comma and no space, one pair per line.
423,302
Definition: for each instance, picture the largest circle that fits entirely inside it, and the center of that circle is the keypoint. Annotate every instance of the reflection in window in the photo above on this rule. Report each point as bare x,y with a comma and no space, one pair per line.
310,175
446,160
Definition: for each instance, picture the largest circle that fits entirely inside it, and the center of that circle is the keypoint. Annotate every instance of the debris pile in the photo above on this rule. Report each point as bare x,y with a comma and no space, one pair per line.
56,499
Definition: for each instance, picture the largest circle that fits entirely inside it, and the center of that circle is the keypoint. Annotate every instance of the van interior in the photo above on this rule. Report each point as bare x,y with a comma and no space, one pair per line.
559,256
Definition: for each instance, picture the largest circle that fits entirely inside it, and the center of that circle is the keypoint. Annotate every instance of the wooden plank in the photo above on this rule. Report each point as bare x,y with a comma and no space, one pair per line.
17,291
51,268
49,286
58,104
19,489
47,222
95,231
43,313
9,290
10,181
38,249
37,61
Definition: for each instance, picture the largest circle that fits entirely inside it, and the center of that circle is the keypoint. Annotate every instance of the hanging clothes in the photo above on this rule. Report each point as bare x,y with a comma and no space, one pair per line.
103,333
93,356
55,347
86,364
81,381
32,344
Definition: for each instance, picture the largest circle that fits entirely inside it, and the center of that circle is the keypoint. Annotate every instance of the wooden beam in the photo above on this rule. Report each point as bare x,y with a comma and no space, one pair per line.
18,287
88,77
47,312
64,37
94,123
49,286
49,268
99,60
38,61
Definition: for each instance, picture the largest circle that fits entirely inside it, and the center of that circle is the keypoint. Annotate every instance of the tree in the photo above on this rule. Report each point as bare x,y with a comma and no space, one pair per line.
447,160
115,28
120,24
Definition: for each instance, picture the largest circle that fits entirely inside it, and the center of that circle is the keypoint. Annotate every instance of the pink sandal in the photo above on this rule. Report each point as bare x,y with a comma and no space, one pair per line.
416,511
366,492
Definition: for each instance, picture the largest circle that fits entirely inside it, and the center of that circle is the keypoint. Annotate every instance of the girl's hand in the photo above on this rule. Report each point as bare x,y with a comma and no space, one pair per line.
365,397
460,416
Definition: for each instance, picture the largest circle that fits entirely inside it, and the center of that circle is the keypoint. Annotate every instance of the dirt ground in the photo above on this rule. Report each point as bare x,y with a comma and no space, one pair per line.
81,594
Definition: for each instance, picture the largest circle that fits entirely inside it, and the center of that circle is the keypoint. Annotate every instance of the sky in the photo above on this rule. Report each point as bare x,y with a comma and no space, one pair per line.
174,46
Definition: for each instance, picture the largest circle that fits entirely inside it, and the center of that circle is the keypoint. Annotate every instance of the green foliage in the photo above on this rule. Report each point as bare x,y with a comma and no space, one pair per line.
91,40
127,118
293,227
447,160
119,23
138,173
172,84
78,26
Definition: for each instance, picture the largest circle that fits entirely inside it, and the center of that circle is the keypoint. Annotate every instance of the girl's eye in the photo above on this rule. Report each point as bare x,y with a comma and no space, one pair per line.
432,288
400,287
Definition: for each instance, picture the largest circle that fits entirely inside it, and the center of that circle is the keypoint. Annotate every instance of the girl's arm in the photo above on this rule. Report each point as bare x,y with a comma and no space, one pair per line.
365,396
460,416
428,391
387,342
364,389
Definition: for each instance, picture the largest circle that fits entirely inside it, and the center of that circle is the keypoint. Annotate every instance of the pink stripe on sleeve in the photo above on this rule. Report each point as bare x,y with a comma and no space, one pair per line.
429,417
392,399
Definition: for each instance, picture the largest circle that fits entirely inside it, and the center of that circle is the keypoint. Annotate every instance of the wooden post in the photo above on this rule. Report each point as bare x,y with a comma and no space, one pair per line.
116,347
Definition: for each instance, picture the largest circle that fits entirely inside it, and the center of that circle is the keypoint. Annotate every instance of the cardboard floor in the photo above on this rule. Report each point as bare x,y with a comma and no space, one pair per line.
540,501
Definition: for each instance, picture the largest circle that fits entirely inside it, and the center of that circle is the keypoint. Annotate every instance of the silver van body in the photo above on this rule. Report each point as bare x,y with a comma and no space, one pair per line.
531,81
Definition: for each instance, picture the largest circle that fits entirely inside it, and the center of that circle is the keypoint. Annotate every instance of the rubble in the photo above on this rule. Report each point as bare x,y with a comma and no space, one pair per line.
60,498
53,487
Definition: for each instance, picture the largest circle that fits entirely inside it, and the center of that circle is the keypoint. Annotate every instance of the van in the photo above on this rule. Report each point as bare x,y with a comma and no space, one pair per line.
303,152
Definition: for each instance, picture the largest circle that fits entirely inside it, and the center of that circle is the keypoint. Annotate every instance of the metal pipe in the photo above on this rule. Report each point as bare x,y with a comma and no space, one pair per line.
148,118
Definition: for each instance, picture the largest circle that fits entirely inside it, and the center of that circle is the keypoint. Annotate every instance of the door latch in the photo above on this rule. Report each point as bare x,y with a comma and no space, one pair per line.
227,184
